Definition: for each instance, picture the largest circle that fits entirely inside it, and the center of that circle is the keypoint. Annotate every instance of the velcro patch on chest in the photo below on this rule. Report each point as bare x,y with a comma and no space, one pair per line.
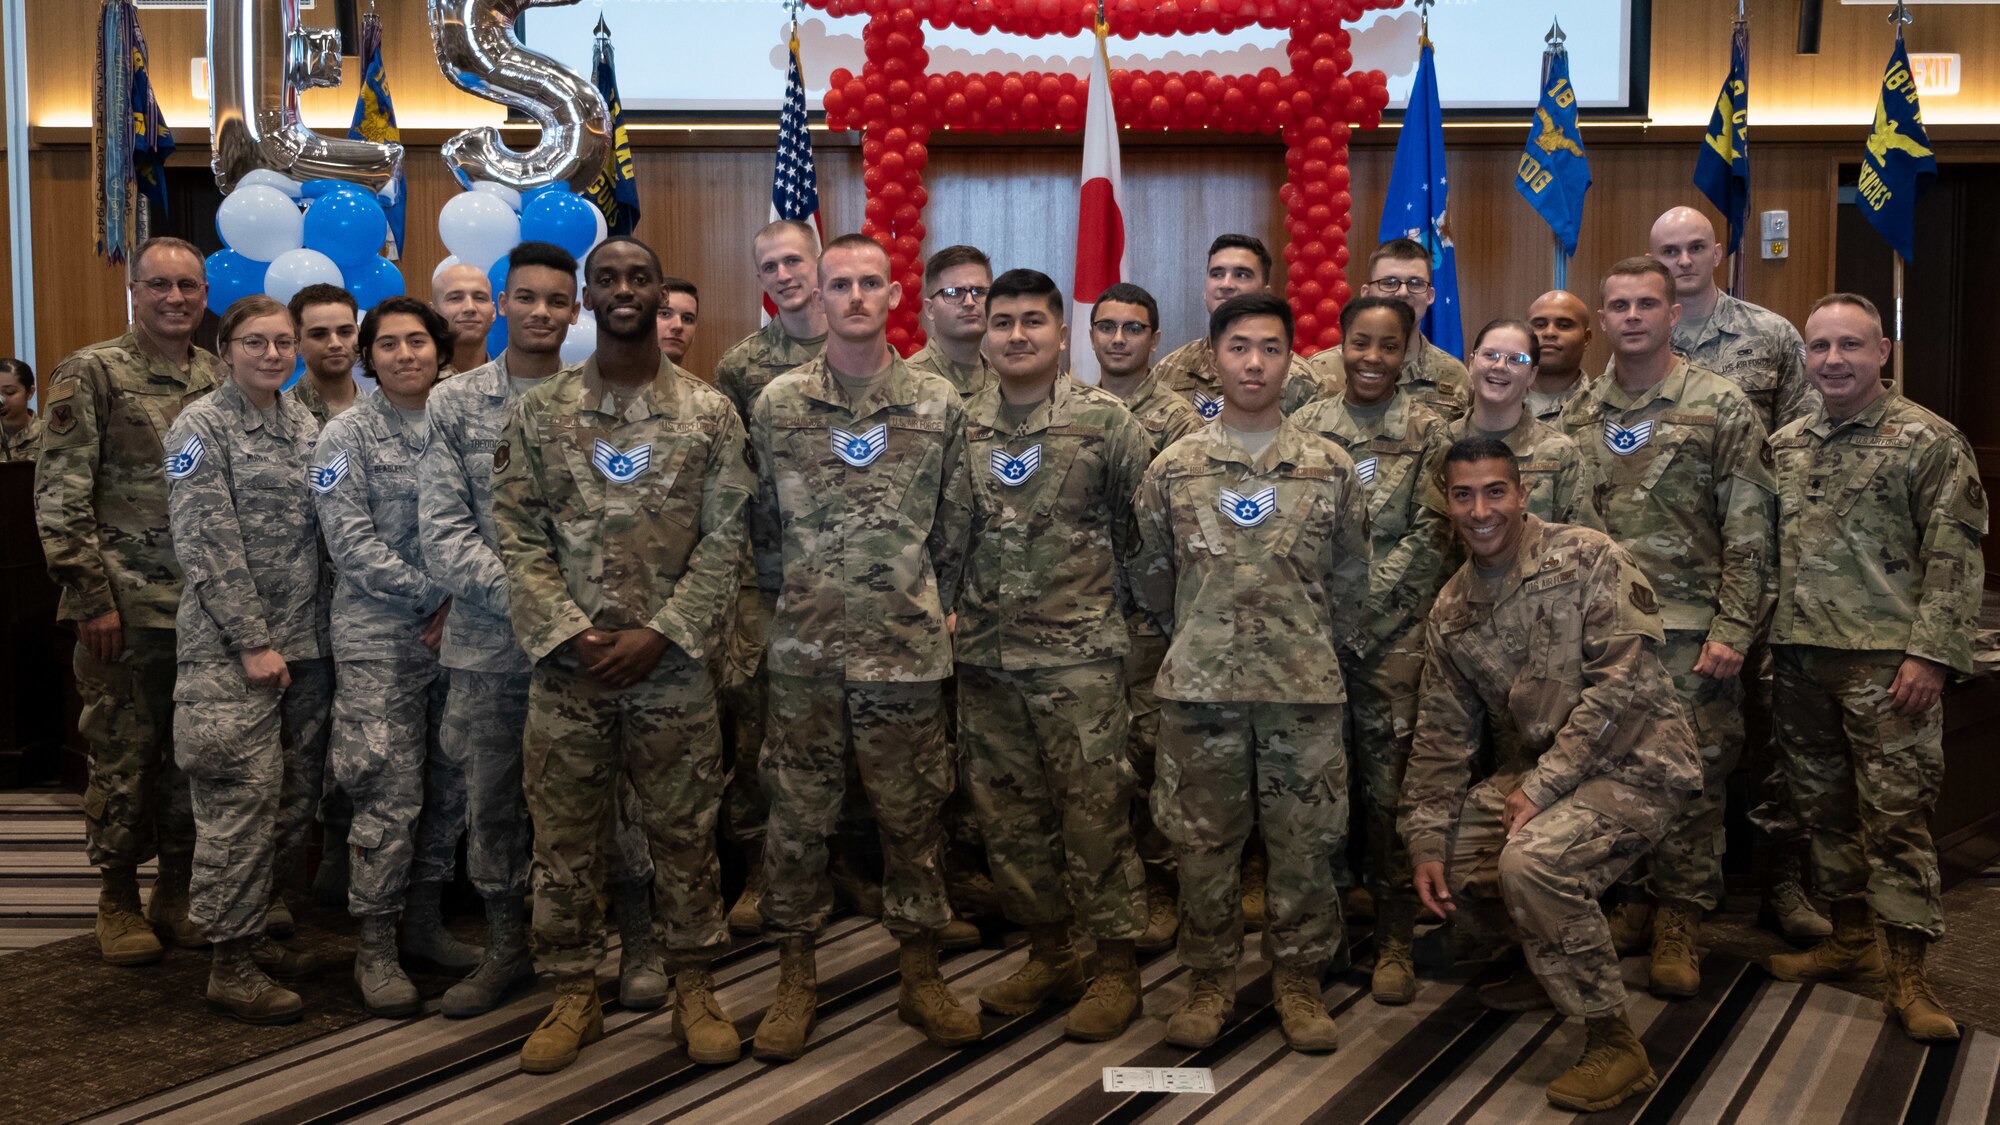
1014,471
1248,511
860,450
1365,469
621,466
1625,442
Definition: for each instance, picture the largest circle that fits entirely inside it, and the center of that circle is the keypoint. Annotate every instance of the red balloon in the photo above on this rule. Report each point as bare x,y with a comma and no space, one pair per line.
1340,256
1267,94
1342,201
1307,326
872,178
1235,101
899,339
874,107
1290,252
1142,89
1213,87
919,196
835,103
916,157
1050,87
1327,309
1068,108
1309,293
1341,292
1319,215
1031,108
1314,251
1313,170
1013,89
1195,109
1326,273
975,91
1175,90
1159,109
891,165
908,247
892,192
956,109
907,216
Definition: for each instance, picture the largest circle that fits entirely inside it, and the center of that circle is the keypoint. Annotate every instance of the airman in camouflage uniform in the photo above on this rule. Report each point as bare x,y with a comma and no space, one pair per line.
1237,264
101,508
1549,643
1689,495
20,430
1879,578
253,747
1251,561
968,380
24,444
955,322
1562,484
1561,323
1400,269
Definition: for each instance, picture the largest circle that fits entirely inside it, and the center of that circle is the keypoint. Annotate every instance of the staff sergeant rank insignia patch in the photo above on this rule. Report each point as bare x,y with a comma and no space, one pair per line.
324,479
179,465
1365,469
860,450
1249,511
1208,405
1626,442
621,466
1015,471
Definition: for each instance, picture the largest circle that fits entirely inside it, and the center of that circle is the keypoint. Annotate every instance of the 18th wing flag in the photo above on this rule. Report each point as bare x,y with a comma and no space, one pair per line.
375,120
1898,164
1100,215
1554,175
1722,171
794,179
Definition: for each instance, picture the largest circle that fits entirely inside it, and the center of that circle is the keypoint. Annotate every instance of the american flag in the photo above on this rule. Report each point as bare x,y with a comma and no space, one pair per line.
794,181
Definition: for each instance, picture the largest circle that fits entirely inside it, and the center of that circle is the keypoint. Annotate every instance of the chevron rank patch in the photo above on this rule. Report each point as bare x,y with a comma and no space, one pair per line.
1015,471
621,466
180,465
860,450
1626,442
1207,405
324,478
1365,469
1249,511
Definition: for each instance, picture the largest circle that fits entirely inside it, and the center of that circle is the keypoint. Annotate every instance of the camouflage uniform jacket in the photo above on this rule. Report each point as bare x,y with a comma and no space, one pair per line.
1189,371
969,380
1437,379
364,477
1558,656
1688,493
1052,529
621,519
1254,566
1549,408
1166,416
22,444
244,533
1562,483
860,522
306,393
1757,350
749,366
101,484
1880,518
455,529
1396,452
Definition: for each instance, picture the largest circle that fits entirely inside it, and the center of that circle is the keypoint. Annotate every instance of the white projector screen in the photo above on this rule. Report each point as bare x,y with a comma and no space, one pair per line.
728,56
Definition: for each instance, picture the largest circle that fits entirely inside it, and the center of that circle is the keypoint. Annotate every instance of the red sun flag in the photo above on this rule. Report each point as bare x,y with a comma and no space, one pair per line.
1100,220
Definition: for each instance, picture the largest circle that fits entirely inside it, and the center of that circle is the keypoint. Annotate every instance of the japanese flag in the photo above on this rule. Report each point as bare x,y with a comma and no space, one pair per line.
1100,221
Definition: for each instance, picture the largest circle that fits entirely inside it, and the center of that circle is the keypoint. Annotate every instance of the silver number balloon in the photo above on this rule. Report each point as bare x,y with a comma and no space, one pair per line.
260,58
479,51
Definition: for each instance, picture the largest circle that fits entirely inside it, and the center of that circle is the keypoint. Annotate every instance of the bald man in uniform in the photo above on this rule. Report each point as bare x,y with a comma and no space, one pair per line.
1562,331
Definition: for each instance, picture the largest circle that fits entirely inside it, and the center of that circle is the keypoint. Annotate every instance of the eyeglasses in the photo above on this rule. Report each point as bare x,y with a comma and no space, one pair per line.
1516,360
161,286
1114,327
258,345
960,292
1391,284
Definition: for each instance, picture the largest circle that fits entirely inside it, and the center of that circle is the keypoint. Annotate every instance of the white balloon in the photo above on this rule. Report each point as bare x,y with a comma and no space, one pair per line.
581,343
449,261
506,194
260,222
602,229
268,178
295,269
478,227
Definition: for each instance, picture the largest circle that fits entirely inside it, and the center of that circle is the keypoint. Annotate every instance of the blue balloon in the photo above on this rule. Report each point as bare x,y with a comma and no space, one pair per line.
535,193
496,340
313,189
562,218
373,282
347,226
232,277
496,276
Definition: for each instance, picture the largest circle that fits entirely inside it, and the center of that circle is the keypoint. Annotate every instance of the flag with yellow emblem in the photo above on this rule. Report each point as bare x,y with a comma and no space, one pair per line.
1898,164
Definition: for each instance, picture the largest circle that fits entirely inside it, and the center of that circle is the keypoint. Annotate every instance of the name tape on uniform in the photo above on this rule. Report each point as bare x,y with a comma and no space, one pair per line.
1159,1080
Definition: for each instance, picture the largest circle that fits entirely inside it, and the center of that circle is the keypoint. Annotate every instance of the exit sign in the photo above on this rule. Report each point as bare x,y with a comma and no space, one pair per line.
1936,74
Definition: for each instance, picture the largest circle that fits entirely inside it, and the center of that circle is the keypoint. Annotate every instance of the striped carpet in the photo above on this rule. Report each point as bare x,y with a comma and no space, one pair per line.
47,889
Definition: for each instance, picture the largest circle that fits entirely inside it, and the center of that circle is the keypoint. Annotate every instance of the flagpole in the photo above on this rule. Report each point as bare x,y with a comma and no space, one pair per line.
1898,17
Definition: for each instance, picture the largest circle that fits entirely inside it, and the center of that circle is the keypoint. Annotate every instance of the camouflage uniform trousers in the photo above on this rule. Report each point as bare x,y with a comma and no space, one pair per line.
1382,710
135,803
1686,868
1225,768
1142,667
249,755
1549,875
664,737
409,798
1046,775
894,734
1773,813
742,688
1864,780
484,717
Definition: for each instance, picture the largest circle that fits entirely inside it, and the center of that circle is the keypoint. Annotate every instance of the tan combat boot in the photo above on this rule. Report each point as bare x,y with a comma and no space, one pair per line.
1613,1067
123,937
1909,996
1850,954
699,1021
1395,978
1302,1009
1113,999
746,916
167,906
1787,908
286,962
1210,1003
1631,924
925,1001
1163,912
959,934
575,1022
1052,972
1522,991
1255,868
781,1037
238,988
1676,970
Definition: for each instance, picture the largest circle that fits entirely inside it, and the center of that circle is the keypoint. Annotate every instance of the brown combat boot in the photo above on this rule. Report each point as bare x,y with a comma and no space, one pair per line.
1850,954
1113,999
1302,1009
746,915
925,1001
123,937
1052,972
1163,912
238,988
1613,1067
1255,868
1631,924
1522,991
1210,1003
167,906
710,1038
1909,996
287,962
1676,969
959,934
781,1036
575,1022
1395,978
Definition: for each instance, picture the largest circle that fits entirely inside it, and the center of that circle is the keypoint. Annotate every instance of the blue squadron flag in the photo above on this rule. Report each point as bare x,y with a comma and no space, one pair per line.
1415,207
375,120
1898,164
1554,174
1722,171
616,188
152,142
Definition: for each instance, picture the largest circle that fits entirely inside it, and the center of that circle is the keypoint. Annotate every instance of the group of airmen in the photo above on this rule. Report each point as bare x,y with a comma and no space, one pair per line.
1112,659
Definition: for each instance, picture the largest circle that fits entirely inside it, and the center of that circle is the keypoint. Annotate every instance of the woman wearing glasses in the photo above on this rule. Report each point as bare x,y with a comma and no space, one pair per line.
253,676
1561,482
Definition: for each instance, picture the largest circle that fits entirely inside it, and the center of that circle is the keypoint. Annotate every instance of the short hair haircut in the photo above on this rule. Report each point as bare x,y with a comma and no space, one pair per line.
433,321
1520,326
1400,250
1405,315
1027,283
250,308
1246,305
1129,294
679,285
164,242
319,293
618,240
959,255
854,242
544,254
1854,300
1242,242
20,370
1638,265
1479,447
779,225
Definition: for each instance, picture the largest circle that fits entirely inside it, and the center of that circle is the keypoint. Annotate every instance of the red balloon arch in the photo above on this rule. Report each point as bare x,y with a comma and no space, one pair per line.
896,102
